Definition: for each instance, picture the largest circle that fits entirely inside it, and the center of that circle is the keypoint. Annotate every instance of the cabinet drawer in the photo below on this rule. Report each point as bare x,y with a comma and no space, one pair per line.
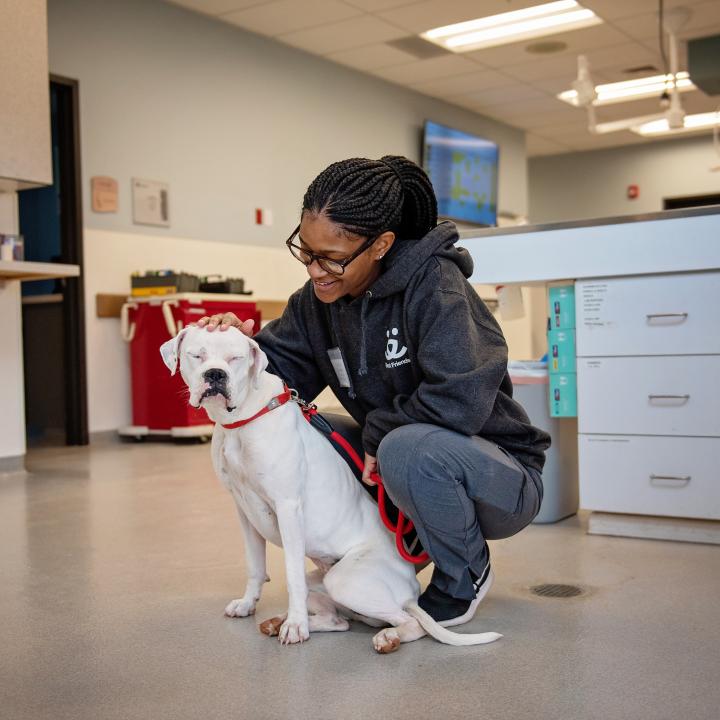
677,477
649,395
653,315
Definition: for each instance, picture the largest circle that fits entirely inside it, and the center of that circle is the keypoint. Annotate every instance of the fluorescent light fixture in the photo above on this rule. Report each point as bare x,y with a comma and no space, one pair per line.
633,89
510,27
691,123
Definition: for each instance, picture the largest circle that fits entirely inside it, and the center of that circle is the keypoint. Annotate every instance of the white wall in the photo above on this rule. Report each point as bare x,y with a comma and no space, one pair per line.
232,121
593,184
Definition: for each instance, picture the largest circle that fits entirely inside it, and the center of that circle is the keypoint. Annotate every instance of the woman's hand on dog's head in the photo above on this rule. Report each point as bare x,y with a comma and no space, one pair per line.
223,321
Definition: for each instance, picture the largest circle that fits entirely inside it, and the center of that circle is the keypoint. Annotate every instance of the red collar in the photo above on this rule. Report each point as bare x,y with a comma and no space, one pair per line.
276,402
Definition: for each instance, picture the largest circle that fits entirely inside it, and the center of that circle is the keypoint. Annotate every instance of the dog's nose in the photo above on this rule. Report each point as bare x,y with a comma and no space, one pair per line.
215,375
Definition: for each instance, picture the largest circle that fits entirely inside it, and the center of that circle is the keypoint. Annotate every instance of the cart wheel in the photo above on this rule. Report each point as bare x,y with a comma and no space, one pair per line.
204,439
139,438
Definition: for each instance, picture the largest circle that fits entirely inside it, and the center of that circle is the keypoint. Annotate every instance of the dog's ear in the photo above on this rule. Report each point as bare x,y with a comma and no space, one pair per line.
170,351
258,362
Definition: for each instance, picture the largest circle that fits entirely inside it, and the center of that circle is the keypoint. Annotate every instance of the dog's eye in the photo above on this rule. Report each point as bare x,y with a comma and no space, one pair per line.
235,358
194,357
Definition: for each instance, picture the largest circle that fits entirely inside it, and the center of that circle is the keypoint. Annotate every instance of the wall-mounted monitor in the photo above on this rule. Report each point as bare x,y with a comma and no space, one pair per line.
463,169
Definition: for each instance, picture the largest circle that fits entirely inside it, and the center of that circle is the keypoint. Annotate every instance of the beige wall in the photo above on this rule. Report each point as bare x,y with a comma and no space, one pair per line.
594,184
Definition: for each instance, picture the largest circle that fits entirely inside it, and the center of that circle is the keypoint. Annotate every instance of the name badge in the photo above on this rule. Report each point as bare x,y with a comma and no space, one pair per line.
338,364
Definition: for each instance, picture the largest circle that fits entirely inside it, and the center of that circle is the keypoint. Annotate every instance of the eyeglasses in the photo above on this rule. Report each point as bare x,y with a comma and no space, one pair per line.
334,267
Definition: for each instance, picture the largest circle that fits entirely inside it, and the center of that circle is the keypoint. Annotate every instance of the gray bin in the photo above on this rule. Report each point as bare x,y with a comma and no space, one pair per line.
560,474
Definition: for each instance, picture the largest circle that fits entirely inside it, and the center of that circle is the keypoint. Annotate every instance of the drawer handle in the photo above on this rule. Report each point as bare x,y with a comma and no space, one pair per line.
682,398
669,480
667,316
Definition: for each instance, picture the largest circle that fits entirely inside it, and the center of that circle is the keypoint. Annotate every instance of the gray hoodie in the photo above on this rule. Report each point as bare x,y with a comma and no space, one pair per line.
419,346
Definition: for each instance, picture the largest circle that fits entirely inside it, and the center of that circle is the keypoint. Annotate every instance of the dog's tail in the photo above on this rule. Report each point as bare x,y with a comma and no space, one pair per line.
444,635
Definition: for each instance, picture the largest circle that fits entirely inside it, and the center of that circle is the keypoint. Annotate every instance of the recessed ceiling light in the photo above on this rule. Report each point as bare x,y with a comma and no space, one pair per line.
636,89
531,22
691,123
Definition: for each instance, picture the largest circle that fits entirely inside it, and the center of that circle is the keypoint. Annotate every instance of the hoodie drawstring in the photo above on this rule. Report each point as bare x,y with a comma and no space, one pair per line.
363,369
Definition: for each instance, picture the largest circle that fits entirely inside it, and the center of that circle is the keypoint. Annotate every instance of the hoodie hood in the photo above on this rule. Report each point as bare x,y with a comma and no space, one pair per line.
408,256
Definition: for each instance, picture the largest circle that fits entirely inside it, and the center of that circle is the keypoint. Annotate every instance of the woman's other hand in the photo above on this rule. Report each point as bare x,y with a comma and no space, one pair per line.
371,466
225,321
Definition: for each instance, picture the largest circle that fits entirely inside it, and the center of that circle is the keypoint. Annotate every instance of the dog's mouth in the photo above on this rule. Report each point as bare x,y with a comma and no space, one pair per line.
217,391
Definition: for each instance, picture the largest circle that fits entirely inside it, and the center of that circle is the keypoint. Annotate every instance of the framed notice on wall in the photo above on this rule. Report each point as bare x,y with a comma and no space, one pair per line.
104,194
150,202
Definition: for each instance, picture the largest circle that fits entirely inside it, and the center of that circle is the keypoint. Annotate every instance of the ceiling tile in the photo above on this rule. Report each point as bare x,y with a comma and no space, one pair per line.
356,32
377,5
613,9
423,16
284,16
558,131
699,102
464,84
217,7
577,42
704,20
507,94
431,69
371,57
536,145
537,112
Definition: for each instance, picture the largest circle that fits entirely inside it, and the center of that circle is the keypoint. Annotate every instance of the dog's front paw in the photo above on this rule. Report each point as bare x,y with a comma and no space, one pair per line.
294,631
240,608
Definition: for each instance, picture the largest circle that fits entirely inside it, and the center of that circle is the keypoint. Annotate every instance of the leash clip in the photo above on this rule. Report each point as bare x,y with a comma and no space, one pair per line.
306,406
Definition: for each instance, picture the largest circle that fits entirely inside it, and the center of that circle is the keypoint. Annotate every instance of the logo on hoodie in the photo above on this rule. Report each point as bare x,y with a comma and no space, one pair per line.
393,351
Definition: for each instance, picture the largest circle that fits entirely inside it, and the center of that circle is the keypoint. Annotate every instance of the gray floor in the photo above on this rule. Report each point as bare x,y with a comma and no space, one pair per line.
117,561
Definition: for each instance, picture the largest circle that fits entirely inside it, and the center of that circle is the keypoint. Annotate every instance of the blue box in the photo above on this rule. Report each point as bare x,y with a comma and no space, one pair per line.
563,395
562,307
561,351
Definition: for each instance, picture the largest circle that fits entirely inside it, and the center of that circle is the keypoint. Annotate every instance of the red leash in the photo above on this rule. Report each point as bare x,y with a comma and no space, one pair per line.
404,525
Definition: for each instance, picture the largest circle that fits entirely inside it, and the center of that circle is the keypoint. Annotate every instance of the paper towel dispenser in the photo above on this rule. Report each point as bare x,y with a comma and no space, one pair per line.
704,63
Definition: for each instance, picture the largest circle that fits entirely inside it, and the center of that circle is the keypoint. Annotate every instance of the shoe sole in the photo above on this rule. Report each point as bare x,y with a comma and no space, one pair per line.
469,614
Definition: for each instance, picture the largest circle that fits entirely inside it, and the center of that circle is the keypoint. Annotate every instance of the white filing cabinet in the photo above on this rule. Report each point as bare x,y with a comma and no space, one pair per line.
648,372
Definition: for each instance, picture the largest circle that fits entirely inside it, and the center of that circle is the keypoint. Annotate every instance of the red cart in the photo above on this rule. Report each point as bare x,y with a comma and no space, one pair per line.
159,400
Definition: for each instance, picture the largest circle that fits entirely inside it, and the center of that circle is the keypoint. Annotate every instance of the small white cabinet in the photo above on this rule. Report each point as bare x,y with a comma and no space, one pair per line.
649,394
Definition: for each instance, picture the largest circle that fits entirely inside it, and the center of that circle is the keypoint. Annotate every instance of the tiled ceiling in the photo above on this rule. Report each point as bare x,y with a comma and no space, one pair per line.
507,82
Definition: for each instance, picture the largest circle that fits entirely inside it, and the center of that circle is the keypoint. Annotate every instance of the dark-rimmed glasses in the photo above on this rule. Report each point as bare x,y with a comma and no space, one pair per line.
334,267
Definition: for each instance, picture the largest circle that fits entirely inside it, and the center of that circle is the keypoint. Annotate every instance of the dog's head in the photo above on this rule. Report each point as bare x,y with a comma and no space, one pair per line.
219,368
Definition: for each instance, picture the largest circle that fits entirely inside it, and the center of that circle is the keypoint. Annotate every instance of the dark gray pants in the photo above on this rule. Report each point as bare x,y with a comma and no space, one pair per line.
459,491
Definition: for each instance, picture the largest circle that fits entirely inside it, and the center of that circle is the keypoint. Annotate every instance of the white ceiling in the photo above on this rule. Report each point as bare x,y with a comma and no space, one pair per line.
506,82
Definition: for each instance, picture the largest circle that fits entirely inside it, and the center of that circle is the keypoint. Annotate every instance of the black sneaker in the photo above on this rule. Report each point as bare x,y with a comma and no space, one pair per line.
449,611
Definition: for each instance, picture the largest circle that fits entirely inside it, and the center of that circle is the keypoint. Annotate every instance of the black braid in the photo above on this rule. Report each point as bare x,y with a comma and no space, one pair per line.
368,197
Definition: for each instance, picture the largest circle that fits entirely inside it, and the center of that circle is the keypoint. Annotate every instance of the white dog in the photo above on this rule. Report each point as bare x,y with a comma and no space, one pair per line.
293,489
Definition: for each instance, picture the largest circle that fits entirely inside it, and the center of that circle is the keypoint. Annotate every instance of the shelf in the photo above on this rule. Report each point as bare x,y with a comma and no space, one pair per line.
13,270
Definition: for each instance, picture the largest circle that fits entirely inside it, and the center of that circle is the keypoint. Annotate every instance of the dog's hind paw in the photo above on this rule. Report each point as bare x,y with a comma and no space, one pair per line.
271,626
240,608
387,641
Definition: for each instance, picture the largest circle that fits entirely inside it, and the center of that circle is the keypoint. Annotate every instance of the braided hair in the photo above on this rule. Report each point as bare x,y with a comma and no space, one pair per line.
367,197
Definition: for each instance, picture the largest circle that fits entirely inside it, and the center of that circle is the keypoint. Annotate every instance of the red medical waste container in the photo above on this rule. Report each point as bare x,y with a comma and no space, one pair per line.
159,400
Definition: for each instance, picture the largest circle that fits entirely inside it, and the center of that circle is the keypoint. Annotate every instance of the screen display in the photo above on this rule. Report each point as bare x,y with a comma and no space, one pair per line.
463,171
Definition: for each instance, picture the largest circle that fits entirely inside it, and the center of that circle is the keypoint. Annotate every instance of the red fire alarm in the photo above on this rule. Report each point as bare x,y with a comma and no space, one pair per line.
633,192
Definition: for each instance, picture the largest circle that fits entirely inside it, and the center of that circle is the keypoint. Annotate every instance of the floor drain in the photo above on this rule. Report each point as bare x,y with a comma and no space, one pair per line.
556,591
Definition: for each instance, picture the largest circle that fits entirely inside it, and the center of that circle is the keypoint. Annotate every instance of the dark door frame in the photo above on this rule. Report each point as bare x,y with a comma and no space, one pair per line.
71,232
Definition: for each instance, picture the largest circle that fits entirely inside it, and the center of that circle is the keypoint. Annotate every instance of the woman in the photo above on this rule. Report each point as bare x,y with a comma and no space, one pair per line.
389,321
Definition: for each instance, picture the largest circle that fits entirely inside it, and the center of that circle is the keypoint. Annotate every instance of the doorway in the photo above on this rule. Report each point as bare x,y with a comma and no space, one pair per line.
53,311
